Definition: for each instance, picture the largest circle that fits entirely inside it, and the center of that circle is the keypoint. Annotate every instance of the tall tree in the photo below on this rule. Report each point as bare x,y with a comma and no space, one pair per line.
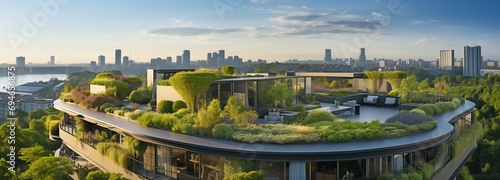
50,168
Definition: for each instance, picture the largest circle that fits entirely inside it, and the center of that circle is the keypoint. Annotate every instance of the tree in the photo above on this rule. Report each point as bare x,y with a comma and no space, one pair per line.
334,84
211,116
50,168
279,92
36,114
408,84
192,87
4,169
423,86
100,175
32,154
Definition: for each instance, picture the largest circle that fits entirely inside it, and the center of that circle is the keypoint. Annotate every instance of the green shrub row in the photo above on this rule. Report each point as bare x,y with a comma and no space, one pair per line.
118,87
252,175
278,134
440,107
423,171
164,82
466,138
165,106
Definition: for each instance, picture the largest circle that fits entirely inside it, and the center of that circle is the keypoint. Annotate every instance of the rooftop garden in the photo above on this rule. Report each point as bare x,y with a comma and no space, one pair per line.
237,122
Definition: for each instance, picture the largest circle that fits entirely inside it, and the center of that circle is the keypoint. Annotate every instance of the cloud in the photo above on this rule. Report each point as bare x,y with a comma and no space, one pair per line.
424,41
418,22
180,23
190,31
259,1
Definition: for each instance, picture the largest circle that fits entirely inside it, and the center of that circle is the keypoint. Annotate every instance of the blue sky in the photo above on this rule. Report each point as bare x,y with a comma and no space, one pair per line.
79,31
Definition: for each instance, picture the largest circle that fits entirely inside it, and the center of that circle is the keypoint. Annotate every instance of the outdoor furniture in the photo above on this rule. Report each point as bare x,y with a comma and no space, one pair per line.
354,104
335,110
273,118
370,99
390,101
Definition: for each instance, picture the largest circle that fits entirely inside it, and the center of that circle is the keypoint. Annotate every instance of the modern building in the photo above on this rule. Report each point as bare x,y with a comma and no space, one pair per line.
172,155
447,59
125,61
169,61
118,57
52,60
20,61
101,60
178,61
211,61
472,61
328,56
93,66
221,59
362,56
186,58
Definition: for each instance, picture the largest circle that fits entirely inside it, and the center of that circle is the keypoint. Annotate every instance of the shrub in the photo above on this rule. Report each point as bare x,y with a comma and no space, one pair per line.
133,115
334,84
134,80
238,113
178,105
120,87
165,106
192,86
114,152
349,85
138,97
426,169
208,118
318,115
409,119
119,112
164,82
105,75
223,131
418,111
105,105
227,70
252,175
54,127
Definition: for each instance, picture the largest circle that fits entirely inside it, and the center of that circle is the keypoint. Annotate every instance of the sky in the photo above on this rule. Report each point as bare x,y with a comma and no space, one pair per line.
275,30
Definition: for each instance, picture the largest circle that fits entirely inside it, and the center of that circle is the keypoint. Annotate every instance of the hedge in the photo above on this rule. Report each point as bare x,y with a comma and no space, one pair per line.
54,127
138,97
227,70
223,131
164,82
252,175
466,138
178,105
134,80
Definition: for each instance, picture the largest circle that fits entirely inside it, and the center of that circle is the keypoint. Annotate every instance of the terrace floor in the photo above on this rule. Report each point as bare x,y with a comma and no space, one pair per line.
368,113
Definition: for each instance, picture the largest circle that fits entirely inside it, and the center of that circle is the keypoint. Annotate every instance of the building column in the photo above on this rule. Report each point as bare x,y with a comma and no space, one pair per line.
297,171
398,163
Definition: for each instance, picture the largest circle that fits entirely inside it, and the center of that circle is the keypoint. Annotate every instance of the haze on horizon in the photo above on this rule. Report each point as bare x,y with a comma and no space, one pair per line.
275,30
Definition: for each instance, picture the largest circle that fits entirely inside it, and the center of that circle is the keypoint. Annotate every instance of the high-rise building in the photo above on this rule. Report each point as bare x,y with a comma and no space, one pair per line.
446,59
362,56
215,57
118,57
472,61
20,61
93,65
222,58
52,60
101,60
125,61
169,61
178,61
211,61
328,55
186,58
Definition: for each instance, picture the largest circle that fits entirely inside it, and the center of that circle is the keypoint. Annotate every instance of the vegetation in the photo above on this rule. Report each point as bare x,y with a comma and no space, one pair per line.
422,171
279,133
223,131
252,175
238,113
115,152
227,70
138,97
114,87
51,168
279,92
165,106
465,139
208,118
192,87
100,175
319,115
178,105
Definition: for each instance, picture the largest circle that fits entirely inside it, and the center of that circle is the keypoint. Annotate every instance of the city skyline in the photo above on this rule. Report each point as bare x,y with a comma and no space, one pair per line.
76,32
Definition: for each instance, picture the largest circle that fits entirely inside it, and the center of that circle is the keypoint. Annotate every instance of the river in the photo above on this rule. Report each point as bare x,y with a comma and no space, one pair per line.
22,79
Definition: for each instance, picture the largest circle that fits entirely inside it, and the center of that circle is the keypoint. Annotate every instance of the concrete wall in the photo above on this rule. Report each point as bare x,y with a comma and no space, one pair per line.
166,93
91,155
97,89
361,84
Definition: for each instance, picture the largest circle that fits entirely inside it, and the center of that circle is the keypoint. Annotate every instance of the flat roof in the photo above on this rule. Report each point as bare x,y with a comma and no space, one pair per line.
260,78
332,74
319,151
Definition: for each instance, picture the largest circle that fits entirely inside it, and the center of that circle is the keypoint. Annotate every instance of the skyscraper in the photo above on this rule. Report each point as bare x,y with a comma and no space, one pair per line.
20,61
362,56
125,61
222,58
215,57
178,61
328,55
210,60
169,61
186,58
101,60
118,57
472,61
52,60
447,59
